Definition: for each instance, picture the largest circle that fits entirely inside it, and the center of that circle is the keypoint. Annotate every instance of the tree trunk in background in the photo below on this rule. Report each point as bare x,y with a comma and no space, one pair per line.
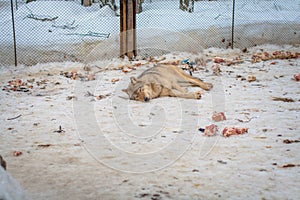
187,5
87,3
139,8
110,3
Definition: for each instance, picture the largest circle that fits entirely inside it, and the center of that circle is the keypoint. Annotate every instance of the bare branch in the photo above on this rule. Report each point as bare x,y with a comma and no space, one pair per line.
66,26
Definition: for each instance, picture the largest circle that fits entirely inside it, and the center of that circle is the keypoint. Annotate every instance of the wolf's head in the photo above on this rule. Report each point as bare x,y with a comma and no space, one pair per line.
138,90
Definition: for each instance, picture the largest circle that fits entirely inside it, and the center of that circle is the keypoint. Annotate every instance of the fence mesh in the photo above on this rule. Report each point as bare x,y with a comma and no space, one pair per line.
48,31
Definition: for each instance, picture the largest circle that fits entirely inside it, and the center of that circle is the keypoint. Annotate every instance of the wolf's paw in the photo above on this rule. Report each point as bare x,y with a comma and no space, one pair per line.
198,94
208,86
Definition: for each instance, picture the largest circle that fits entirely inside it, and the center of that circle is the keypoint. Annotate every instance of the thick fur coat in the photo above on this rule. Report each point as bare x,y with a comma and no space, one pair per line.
164,80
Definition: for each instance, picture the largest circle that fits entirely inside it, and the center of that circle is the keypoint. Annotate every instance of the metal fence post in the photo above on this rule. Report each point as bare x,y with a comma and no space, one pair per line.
128,28
232,26
14,31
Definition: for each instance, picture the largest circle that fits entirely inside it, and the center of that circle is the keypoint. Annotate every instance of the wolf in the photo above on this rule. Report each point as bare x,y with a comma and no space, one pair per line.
164,80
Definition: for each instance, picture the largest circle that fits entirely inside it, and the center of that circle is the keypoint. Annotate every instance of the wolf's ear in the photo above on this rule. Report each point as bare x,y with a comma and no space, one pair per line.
125,90
133,80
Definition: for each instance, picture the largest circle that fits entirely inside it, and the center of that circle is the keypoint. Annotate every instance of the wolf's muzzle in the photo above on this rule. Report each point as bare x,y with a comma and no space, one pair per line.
146,99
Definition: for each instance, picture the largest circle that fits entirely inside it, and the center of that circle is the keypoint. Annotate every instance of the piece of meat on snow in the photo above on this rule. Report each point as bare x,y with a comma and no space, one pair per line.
211,130
234,131
297,77
217,117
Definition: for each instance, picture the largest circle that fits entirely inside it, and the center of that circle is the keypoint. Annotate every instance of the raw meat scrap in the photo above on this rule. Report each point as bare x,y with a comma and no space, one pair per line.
234,131
217,117
211,130
297,77
218,60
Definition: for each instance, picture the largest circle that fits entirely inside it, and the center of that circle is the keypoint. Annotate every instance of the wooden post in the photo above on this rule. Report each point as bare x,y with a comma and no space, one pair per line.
87,3
128,28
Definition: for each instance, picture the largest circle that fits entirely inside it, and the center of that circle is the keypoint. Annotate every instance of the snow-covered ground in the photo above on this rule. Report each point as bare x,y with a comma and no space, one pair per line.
83,138
74,139
75,30
79,139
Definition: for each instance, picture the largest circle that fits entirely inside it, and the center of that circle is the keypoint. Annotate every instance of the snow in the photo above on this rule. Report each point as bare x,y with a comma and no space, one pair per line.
78,33
184,164
114,148
31,31
157,14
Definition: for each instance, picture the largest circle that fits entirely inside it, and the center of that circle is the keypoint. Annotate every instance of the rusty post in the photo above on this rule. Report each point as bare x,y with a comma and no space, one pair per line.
128,28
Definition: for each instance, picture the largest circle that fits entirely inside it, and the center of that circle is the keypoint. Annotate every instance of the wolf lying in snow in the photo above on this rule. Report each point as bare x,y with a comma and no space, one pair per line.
164,80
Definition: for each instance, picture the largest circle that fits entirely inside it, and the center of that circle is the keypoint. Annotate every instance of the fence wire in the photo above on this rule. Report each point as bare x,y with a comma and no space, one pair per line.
48,31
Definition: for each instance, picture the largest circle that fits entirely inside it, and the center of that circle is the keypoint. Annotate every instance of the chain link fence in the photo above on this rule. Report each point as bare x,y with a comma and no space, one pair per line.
54,31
